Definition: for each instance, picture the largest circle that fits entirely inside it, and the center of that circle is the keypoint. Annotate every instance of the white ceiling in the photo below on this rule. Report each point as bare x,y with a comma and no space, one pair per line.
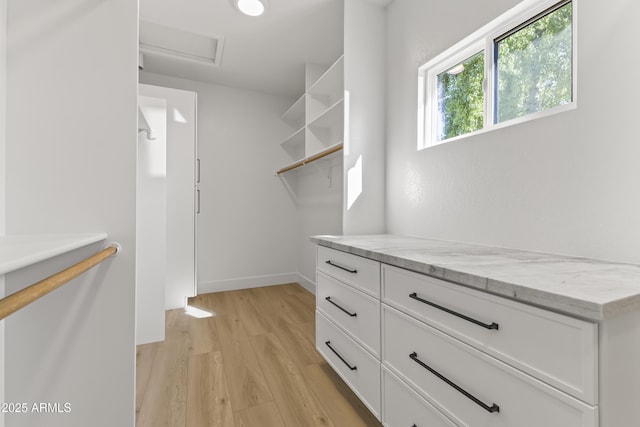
265,53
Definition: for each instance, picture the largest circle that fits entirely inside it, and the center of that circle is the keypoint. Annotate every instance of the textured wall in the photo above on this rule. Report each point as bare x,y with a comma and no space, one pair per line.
565,184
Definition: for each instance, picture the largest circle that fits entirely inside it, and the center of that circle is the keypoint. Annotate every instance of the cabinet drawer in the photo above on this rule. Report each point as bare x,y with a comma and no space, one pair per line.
452,374
404,408
557,349
358,369
359,272
351,309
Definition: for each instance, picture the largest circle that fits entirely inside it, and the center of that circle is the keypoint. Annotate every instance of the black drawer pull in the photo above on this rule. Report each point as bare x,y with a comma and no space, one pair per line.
341,308
353,368
349,270
492,408
493,325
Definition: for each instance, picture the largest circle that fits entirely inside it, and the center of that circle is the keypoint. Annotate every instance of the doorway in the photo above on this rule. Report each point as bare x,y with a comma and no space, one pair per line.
167,203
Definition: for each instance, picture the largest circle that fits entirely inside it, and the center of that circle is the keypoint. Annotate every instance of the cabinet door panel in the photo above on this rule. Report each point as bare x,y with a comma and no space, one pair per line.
521,336
358,369
354,311
470,387
404,407
359,272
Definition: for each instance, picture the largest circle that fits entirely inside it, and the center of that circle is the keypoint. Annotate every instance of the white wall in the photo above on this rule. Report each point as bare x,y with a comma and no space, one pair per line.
71,167
563,184
247,228
3,98
319,209
364,80
151,221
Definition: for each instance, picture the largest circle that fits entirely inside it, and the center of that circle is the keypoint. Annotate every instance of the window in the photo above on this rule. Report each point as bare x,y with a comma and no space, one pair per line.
533,65
461,98
518,67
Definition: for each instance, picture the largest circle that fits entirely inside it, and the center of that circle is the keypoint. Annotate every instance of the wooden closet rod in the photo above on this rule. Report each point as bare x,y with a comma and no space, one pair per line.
24,297
310,159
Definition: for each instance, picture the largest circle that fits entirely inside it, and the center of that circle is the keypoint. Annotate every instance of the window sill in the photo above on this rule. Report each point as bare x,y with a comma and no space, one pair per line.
534,116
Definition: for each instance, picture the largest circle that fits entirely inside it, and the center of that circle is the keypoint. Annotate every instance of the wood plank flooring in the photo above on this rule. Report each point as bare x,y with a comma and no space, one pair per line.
252,365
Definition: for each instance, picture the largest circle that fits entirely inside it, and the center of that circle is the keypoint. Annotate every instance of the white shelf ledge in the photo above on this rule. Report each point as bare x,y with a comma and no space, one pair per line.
18,251
330,81
332,116
295,114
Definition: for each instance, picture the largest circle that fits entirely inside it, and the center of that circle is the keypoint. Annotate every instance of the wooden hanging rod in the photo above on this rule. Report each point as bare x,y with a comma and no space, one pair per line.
310,159
24,297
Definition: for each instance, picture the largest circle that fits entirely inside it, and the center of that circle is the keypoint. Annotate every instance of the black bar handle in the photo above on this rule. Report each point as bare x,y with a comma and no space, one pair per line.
493,408
353,368
353,271
493,325
341,308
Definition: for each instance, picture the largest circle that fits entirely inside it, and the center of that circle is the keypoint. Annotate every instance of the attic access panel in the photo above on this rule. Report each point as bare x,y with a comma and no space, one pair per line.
157,39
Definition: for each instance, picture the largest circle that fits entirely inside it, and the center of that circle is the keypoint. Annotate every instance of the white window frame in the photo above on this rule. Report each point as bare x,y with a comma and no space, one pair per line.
431,94
483,39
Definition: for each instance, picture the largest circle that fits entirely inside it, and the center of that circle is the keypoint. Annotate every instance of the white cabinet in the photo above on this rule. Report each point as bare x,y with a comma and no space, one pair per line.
444,354
317,117
471,387
358,368
404,407
518,334
354,311
348,321
361,273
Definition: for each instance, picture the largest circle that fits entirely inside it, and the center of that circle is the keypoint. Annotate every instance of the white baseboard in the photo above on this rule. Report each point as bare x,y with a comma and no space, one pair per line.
255,282
306,283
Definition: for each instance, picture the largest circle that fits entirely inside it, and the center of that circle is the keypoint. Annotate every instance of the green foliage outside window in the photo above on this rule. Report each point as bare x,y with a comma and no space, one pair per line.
534,66
461,98
533,72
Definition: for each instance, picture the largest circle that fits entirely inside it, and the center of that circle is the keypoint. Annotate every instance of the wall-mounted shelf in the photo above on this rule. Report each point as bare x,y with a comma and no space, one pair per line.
320,155
331,116
294,144
19,251
317,117
330,84
294,116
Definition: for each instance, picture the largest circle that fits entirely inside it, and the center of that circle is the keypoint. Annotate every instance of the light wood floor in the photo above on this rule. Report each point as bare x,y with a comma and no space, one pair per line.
252,365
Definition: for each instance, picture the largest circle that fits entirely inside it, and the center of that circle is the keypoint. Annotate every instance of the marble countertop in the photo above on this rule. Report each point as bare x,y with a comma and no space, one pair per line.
587,288
18,251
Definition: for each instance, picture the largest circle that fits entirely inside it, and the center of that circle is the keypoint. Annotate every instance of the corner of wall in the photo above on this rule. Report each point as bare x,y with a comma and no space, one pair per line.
89,165
307,283
3,99
365,118
3,112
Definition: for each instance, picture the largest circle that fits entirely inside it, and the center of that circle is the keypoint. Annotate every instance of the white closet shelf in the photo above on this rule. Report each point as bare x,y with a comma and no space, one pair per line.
330,117
317,117
327,83
296,138
295,114
21,250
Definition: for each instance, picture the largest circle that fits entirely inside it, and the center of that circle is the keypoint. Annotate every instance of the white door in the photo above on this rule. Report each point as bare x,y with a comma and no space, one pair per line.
151,223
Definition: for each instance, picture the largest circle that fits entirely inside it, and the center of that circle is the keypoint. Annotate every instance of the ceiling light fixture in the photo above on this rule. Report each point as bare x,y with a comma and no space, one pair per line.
251,7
